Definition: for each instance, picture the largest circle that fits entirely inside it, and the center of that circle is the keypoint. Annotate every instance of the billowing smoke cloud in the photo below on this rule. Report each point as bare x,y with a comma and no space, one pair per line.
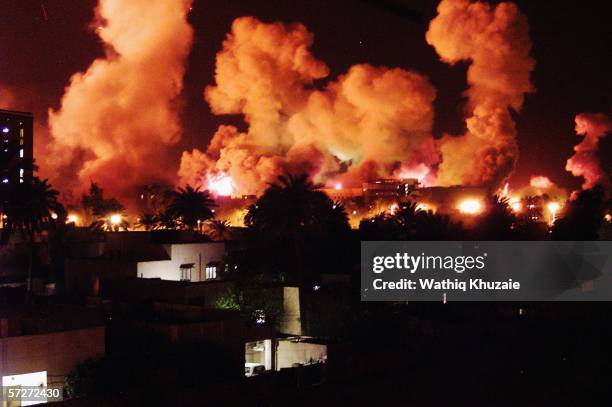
584,163
368,123
495,41
117,117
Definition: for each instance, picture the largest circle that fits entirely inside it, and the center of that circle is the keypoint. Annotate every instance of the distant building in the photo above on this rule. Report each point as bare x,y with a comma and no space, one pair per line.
125,255
16,135
389,188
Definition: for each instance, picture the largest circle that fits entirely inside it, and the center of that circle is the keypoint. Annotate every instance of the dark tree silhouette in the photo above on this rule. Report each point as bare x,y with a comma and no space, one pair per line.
498,222
582,216
294,210
218,229
100,206
148,221
190,205
410,223
30,211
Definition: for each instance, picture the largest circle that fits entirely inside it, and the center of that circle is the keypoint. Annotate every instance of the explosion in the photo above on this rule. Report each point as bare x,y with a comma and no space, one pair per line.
119,115
371,122
495,41
584,163
221,184
470,206
363,125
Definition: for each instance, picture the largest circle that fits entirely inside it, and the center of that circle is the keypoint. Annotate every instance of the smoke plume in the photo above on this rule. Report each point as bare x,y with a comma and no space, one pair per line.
496,43
367,123
584,163
117,118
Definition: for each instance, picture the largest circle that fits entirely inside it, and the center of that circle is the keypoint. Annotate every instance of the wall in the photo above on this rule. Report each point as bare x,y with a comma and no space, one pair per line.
288,353
198,253
57,353
82,276
290,320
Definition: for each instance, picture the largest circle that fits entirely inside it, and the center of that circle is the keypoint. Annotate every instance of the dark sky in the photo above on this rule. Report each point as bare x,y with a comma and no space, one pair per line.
42,43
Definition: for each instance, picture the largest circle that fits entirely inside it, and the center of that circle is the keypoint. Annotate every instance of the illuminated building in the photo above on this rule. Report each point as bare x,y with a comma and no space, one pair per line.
388,188
16,139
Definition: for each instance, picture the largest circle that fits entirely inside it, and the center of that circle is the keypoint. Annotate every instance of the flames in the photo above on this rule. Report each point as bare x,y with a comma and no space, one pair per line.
470,206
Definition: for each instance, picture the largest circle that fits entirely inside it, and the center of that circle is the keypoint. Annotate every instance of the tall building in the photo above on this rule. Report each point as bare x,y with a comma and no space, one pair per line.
16,146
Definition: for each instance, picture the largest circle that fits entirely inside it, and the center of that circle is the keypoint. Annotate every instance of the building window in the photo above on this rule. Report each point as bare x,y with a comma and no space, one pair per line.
211,272
186,271
21,153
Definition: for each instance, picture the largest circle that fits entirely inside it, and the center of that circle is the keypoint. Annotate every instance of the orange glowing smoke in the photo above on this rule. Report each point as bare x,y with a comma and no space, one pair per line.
420,172
540,182
363,125
495,42
117,118
584,163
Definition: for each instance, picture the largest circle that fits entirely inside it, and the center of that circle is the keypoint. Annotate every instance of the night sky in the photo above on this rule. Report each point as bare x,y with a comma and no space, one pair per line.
42,43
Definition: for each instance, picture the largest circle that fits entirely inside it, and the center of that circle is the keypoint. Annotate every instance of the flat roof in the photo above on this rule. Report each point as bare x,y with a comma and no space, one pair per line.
14,112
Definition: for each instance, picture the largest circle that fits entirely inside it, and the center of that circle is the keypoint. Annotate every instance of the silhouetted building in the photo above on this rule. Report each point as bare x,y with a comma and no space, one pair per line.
16,134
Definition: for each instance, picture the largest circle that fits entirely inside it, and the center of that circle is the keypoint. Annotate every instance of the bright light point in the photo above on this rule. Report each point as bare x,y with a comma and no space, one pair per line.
221,184
72,218
115,219
393,208
53,215
553,207
608,217
338,186
470,206
5,130
515,204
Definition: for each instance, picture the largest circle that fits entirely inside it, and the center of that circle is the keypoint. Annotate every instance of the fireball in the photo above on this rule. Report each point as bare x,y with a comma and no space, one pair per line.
221,184
470,206
115,219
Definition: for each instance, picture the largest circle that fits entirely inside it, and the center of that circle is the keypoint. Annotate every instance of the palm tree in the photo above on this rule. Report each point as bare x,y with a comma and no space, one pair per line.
294,209
190,206
30,211
219,229
498,222
148,221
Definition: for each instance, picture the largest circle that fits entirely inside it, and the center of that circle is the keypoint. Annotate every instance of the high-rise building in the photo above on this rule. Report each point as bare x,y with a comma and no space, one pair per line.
16,147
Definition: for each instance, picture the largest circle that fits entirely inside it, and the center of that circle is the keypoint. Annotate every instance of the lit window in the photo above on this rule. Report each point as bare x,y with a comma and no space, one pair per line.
21,173
211,272
21,153
5,130
5,180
